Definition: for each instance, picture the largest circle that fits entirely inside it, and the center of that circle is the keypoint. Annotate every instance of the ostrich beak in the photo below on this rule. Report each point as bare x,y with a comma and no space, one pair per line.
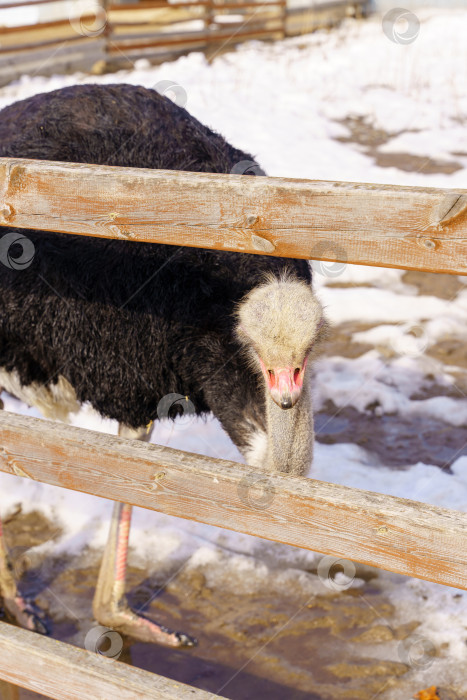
284,384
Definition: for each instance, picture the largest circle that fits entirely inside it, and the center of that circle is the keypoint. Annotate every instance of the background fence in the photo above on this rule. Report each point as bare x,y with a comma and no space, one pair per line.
405,227
114,35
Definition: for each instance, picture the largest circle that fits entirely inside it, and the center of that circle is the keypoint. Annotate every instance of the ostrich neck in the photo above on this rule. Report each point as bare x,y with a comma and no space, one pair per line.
290,434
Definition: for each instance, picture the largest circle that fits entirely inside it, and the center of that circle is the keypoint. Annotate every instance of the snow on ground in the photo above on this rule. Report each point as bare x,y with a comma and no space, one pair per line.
286,103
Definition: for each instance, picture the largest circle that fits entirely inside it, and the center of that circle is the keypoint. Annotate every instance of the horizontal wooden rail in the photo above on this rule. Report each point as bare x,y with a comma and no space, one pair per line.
385,225
52,24
143,5
248,5
192,38
391,533
26,48
180,39
26,3
64,672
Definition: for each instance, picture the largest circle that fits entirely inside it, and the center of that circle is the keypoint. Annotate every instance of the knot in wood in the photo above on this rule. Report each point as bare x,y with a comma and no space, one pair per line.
262,244
6,211
155,479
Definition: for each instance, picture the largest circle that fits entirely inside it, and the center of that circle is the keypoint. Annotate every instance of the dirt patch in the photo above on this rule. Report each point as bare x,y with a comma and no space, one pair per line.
452,351
29,529
340,342
363,133
434,284
392,440
415,164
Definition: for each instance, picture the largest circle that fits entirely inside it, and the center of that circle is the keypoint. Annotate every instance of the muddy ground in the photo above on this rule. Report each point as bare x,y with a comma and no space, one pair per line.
279,644
260,645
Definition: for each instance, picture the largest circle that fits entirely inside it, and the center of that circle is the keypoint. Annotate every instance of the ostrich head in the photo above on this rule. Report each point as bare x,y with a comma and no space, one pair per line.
279,323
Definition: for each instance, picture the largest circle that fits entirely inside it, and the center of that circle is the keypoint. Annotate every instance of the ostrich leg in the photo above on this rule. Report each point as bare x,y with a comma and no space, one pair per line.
110,606
14,604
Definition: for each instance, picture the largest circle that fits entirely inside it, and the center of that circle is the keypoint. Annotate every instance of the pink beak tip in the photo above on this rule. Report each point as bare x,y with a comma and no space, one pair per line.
284,384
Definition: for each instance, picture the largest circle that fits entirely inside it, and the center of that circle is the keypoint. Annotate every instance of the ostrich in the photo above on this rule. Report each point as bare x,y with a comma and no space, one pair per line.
121,325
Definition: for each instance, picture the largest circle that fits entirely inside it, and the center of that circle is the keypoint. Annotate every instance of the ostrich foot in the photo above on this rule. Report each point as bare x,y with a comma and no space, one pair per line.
14,605
24,614
123,620
110,606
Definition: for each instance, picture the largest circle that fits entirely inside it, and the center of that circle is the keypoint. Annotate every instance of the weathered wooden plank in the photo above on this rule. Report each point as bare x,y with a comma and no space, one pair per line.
217,7
303,20
247,14
141,15
172,20
391,533
41,27
166,20
27,38
187,39
79,55
36,45
404,227
64,672
144,5
265,29
226,30
9,5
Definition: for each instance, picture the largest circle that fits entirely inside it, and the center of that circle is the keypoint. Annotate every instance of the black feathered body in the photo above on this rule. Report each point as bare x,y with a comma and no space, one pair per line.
127,323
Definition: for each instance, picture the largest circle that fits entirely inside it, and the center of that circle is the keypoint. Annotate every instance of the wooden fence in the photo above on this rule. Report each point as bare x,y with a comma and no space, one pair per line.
406,227
114,35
